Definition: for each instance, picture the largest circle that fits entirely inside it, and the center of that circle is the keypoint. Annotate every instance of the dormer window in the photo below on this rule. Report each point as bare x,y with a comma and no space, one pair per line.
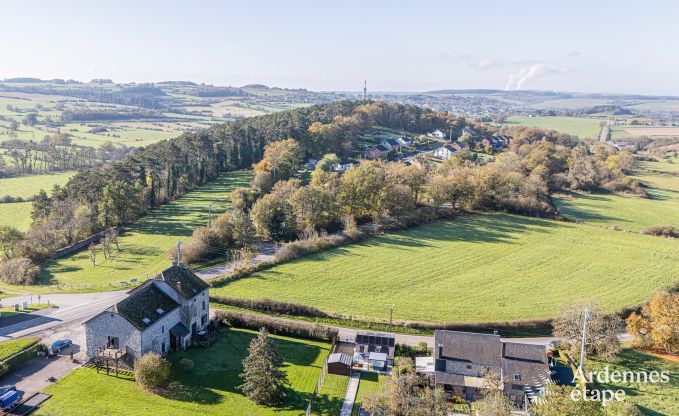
160,311
146,321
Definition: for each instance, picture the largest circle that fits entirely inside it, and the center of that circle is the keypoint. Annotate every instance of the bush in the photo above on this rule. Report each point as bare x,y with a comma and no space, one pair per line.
271,306
186,364
152,371
19,271
276,326
662,231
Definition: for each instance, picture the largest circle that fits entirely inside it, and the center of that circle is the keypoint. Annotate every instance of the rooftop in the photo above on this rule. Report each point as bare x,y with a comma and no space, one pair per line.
145,305
189,284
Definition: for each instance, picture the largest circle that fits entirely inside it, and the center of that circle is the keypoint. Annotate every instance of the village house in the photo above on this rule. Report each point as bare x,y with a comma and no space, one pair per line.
403,141
377,152
463,360
164,313
444,152
437,134
390,144
342,167
376,349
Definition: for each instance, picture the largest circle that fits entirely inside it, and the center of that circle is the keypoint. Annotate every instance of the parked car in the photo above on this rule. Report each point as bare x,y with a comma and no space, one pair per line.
60,345
6,388
10,399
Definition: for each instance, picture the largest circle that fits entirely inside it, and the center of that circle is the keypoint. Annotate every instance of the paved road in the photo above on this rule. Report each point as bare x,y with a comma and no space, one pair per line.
266,252
603,136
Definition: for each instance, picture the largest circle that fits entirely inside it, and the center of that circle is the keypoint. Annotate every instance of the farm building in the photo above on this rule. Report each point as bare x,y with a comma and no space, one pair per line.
339,363
462,359
164,313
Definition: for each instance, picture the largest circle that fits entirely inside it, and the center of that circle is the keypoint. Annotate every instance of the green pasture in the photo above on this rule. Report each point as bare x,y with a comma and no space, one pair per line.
16,214
577,126
30,185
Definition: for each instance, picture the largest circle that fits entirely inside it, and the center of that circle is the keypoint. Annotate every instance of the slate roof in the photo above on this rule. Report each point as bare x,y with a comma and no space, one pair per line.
145,302
482,349
191,285
527,360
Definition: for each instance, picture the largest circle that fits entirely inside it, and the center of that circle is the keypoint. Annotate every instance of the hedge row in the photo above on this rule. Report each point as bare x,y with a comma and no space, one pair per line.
270,306
277,326
18,360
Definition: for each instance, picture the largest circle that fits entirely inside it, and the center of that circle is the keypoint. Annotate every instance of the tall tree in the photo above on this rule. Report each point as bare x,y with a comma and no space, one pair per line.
263,380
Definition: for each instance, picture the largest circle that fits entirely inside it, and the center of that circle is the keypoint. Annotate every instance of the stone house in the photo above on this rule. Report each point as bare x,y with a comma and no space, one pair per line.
164,313
463,360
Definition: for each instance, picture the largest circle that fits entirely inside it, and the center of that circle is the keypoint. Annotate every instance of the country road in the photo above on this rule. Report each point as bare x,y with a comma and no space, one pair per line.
266,252
603,136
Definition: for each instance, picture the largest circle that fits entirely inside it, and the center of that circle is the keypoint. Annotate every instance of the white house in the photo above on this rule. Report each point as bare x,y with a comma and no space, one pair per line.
438,134
341,167
444,152
162,314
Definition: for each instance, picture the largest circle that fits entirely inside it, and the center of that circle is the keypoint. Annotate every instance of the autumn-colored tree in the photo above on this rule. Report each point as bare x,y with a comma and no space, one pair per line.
282,158
657,326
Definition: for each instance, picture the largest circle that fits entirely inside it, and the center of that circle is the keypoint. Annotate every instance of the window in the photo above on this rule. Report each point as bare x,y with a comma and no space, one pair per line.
517,377
162,347
162,329
203,319
203,305
469,367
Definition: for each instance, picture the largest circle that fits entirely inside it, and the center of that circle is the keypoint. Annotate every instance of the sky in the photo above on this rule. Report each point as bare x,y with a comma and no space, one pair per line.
585,46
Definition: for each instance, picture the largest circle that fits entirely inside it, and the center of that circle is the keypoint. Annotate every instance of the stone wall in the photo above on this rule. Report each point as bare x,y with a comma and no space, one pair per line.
153,337
74,248
99,328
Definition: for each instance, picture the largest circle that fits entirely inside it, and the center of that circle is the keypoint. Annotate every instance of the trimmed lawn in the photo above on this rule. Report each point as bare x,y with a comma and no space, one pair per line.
30,185
577,126
143,244
653,399
331,397
477,268
370,383
209,389
9,311
16,214
13,346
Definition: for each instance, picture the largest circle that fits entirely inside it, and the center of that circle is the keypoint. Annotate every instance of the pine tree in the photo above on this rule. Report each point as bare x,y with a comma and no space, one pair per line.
264,381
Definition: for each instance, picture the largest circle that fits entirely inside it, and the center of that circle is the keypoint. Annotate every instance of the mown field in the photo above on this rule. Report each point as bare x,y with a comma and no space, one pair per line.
210,388
631,212
477,268
577,126
30,185
16,214
143,244
654,399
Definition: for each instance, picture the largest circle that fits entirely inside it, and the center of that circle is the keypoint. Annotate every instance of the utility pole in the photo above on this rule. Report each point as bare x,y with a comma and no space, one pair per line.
391,315
209,215
179,252
582,347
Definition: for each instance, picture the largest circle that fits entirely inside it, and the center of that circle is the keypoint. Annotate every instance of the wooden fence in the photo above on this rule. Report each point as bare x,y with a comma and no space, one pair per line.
319,383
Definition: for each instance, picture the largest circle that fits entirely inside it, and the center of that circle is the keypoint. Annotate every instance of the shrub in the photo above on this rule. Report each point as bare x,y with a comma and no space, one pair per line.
270,306
19,271
152,371
662,231
186,364
276,326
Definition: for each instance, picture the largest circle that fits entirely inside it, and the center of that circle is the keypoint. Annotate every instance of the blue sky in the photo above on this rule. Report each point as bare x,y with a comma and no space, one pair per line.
601,46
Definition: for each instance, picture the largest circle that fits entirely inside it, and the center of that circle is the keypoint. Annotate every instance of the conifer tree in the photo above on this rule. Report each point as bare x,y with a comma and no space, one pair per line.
263,380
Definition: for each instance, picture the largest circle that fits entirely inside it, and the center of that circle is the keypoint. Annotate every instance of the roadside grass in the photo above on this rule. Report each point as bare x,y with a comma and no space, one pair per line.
477,268
653,398
16,214
631,212
143,244
331,396
30,185
370,383
13,346
9,311
578,126
210,388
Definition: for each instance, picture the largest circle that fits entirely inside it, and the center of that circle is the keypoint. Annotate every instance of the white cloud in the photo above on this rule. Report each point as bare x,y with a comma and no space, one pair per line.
517,80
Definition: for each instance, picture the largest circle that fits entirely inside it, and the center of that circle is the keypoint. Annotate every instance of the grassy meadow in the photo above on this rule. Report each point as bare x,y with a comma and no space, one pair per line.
16,214
631,212
30,185
143,244
485,267
577,126
210,388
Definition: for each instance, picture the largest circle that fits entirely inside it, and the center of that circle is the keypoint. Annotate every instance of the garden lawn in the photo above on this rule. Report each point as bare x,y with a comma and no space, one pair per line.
331,397
16,214
477,268
631,212
13,346
211,388
9,311
30,185
653,399
143,244
370,383
577,126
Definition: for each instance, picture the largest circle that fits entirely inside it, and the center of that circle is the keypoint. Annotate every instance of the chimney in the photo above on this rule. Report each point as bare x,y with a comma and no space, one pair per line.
178,286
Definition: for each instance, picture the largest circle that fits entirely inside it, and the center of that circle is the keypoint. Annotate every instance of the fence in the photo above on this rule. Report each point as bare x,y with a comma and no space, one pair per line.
319,383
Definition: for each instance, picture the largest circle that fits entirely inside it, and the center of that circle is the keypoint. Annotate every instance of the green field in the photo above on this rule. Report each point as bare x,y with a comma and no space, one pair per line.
486,267
653,399
13,346
143,244
16,214
631,212
576,126
30,185
209,389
